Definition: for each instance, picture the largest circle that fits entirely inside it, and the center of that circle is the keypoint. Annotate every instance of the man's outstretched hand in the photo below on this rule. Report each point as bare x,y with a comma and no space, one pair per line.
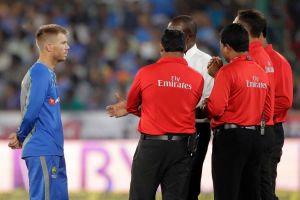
118,109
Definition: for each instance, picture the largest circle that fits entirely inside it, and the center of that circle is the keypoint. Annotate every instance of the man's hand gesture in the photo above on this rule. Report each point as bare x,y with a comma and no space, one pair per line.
118,109
214,65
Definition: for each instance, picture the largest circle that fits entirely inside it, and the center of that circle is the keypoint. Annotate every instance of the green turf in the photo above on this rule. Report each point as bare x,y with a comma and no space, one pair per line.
22,195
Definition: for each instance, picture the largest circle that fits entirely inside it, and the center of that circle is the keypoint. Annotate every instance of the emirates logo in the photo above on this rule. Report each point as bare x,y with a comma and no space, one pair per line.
255,83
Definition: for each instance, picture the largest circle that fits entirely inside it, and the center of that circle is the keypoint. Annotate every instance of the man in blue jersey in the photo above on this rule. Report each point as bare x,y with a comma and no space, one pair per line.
40,134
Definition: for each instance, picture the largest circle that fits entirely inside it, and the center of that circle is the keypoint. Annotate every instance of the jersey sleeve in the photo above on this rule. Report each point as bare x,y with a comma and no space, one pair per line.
218,100
267,107
283,88
134,98
37,93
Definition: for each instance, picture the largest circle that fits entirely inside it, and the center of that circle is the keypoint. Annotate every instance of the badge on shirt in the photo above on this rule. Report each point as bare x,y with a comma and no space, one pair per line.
52,101
54,172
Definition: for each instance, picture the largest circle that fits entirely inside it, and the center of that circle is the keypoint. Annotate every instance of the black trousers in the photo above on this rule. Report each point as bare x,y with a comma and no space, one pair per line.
272,156
236,160
160,162
265,176
204,131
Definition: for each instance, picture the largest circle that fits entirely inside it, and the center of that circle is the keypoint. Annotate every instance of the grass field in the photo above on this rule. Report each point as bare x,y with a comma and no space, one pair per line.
22,195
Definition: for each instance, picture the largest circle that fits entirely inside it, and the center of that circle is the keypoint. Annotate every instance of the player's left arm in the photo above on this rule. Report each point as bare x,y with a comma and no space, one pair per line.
37,93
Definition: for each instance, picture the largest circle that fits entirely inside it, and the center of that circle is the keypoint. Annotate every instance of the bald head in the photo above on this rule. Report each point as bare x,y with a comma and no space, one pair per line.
186,24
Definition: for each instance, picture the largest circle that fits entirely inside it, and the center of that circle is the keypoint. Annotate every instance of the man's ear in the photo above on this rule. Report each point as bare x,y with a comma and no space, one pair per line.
187,38
227,47
161,50
48,47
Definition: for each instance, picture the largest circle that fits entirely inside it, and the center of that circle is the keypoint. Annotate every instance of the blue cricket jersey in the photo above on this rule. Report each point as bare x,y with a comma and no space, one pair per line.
41,129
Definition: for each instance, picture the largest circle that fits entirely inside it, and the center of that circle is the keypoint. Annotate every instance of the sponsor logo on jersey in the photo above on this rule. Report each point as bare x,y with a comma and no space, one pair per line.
53,101
54,172
269,68
174,82
255,83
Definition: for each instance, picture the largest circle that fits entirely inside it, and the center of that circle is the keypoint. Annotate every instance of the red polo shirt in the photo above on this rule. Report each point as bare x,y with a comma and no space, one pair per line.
260,56
283,84
168,92
239,94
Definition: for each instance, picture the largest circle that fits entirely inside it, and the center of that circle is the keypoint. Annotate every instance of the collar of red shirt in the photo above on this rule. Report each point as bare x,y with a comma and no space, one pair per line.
255,44
172,59
269,48
241,57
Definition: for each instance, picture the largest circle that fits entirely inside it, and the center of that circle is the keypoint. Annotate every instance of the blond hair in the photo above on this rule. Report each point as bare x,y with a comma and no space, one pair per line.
46,30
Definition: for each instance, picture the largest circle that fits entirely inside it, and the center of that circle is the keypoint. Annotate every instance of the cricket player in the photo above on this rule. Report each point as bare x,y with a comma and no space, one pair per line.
40,134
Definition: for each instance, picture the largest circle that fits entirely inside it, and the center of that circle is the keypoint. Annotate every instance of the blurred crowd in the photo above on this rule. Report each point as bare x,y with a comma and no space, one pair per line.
111,39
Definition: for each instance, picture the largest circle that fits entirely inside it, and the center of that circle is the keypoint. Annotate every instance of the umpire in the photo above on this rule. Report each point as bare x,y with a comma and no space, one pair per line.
236,105
198,60
255,23
164,95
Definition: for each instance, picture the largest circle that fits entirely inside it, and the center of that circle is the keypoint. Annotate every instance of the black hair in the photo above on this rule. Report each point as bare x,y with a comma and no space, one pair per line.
173,40
190,27
254,20
236,36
